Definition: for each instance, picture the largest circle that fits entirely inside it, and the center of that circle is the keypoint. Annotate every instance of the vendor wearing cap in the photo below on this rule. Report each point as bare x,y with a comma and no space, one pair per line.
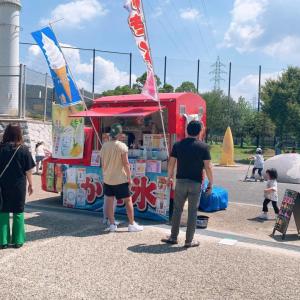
117,177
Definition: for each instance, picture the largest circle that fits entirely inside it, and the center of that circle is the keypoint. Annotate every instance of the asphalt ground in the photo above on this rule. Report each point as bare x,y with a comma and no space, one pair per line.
232,178
71,256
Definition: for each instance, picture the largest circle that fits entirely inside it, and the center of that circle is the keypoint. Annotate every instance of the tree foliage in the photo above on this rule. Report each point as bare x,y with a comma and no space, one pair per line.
281,102
243,120
140,81
186,86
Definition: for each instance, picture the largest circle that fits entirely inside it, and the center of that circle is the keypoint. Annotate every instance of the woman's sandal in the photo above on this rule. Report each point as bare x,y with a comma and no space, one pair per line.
2,247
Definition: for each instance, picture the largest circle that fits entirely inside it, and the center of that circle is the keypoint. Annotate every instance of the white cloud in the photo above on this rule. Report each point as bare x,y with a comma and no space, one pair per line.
247,87
289,47
189,14
245,26
269,27
159,9
75,13
107,76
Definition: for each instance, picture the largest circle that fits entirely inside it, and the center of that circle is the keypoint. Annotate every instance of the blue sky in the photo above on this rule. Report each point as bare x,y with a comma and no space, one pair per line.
248,33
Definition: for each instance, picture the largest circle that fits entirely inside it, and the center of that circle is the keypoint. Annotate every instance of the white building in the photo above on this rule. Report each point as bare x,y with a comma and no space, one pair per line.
9,56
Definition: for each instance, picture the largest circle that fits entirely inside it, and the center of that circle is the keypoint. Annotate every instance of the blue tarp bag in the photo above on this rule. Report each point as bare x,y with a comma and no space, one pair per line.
217,200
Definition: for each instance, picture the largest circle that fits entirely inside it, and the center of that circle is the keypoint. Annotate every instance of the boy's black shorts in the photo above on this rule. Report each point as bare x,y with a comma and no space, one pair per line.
120,191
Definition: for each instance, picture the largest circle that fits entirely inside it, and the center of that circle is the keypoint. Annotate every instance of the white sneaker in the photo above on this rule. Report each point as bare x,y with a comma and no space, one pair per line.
135,227
263,216
113,228
106,222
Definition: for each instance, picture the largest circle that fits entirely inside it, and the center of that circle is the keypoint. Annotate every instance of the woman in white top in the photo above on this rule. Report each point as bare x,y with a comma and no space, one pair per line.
39,155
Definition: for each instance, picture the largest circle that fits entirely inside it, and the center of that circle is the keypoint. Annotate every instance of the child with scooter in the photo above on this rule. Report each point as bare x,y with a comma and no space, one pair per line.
258,164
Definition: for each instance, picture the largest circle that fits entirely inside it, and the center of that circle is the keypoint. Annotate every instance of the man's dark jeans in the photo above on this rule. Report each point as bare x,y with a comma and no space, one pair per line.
191,190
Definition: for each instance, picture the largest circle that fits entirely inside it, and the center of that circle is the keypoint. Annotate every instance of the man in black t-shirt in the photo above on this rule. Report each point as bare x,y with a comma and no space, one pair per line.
192,156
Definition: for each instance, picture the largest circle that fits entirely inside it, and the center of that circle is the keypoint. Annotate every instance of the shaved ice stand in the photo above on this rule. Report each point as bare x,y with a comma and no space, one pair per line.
81,181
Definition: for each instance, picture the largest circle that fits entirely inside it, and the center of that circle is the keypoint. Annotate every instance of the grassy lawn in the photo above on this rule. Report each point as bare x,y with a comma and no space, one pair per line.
241,155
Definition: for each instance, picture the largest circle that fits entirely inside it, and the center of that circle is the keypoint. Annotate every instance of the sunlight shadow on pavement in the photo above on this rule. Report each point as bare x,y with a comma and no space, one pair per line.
155,249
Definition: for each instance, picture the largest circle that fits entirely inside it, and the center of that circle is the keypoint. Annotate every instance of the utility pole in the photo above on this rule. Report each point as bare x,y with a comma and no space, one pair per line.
94,73
229,82
258,102
198,73
259,88
130,70
165,71
217,73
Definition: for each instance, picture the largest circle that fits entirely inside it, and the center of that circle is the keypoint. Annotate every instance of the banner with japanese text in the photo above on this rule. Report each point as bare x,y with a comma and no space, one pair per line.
136,22
83,189
65,88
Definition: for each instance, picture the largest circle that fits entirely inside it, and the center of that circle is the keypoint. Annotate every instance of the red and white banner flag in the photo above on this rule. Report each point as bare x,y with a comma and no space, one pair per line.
136,22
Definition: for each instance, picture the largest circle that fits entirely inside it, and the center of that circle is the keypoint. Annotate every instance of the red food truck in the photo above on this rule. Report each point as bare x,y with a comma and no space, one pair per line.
80,180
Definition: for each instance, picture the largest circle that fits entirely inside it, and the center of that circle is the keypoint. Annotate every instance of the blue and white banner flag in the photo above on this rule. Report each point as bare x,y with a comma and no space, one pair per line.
65,88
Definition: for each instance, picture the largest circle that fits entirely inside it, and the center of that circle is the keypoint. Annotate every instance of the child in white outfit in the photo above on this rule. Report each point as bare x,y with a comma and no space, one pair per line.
258,163
270,193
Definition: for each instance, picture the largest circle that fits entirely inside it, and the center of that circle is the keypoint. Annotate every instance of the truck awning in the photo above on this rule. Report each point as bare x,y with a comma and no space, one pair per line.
118,112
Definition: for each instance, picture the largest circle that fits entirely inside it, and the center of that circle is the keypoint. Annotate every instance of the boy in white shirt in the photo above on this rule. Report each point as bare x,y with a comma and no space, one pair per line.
270,194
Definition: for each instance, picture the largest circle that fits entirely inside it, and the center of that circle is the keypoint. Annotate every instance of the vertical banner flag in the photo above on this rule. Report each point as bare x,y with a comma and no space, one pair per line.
65,87
137,25
67,133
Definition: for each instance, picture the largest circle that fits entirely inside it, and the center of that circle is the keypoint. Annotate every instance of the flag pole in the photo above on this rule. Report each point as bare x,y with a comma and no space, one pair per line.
155,83
79,91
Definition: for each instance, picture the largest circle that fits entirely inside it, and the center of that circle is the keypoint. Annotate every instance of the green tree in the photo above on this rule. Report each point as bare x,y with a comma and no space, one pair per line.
121,90
262,126
167,88
281,102
186,86
223,112
140,81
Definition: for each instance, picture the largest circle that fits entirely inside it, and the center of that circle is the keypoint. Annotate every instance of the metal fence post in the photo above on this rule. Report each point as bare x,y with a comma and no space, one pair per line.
165,71
229,82
130,69
20,91
46,97
24,92
198,73
94,71
258,101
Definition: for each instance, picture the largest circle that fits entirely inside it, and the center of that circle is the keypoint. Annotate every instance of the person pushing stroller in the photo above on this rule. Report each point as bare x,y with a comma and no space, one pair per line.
258,164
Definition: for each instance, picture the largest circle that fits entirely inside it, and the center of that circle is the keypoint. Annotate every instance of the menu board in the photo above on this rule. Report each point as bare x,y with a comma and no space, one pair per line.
95,158
155,141
162,196
290,205
140,167
153,166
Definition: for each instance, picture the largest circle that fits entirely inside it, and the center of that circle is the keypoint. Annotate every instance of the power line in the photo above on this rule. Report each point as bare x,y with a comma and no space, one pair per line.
174,42
191,37
200,32
217,74
207,18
